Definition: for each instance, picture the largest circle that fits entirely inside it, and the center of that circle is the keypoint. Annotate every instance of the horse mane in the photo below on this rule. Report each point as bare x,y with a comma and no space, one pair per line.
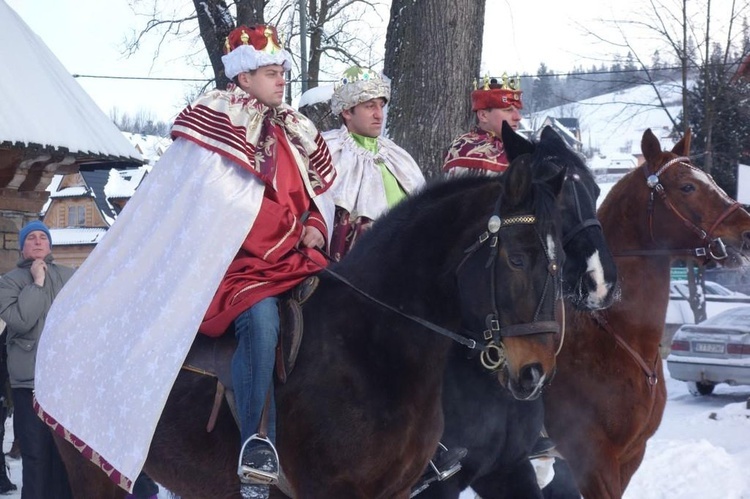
437,215
563,156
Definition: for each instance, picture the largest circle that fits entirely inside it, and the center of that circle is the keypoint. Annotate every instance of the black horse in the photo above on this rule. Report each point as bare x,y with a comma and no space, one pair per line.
498,429
361,415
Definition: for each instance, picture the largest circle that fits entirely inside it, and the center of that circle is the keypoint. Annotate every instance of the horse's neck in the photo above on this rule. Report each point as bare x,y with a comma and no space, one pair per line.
644,280
384,338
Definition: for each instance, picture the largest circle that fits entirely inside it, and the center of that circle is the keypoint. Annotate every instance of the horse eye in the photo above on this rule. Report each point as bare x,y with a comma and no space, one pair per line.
516,260
687,188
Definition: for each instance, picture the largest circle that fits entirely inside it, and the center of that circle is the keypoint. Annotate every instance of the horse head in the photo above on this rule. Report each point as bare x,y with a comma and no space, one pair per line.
687,214
590,272
519,253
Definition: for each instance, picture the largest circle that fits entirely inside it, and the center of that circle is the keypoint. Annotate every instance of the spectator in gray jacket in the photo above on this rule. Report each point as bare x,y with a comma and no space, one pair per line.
26,294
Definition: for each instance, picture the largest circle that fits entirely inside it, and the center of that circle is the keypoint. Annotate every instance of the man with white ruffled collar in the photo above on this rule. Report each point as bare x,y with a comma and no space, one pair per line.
373,173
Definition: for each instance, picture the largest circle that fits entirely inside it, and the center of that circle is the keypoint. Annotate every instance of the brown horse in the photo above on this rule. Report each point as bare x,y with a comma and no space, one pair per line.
608,396
360,415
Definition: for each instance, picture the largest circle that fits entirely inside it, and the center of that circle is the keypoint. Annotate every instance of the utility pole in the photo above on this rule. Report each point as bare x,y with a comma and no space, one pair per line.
303,41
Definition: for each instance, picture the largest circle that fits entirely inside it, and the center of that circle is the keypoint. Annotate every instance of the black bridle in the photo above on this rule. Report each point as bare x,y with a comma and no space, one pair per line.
583,223
494,332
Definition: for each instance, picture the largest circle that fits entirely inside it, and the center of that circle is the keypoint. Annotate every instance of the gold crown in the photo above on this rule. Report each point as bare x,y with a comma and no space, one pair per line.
271,47
512,83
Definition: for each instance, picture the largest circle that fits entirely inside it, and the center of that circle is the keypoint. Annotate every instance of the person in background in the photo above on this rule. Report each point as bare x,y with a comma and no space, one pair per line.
481,149
372,172
26,295
373,175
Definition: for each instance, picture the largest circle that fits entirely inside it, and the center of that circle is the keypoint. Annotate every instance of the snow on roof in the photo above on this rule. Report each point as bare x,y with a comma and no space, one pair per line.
316,95
565,130
150,146
42,102
76,235
123,183
69,192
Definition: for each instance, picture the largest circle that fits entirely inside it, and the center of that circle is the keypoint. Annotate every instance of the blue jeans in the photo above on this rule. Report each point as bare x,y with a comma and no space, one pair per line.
257,332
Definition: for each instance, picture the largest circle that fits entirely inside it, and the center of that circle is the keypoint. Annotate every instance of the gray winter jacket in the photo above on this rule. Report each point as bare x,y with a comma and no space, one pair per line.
24,307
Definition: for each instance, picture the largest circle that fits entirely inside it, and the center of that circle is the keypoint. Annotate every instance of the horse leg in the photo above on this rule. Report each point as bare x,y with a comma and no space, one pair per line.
86,479
604,482
515,482
629,466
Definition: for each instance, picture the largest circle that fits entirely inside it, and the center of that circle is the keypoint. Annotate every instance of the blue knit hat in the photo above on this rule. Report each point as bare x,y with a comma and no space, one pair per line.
29,228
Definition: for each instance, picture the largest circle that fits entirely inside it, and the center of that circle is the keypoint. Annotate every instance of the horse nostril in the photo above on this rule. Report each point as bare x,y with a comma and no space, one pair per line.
530,376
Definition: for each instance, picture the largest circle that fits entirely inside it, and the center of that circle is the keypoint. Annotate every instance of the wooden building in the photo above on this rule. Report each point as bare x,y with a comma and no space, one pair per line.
83,205
48,125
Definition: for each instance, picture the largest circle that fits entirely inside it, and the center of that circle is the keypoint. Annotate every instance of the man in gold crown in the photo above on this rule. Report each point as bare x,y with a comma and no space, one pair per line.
481,150
230,217
373,173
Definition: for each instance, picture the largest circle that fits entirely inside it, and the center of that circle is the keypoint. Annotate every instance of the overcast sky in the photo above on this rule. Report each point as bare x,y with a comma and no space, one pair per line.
87,36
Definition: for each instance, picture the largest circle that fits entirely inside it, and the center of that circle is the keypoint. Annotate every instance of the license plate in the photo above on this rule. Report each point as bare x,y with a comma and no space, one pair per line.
708,347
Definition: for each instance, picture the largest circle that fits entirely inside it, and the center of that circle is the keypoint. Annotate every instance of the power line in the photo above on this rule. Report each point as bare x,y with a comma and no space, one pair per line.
527,75
106,77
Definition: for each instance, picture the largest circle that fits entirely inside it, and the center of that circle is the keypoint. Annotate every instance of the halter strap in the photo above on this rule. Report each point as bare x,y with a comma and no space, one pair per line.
714,248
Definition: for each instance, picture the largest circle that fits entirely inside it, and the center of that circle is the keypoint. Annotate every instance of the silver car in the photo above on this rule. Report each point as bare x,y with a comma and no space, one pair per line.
714,351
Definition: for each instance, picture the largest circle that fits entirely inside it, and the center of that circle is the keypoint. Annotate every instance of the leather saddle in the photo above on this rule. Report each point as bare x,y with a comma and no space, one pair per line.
213,356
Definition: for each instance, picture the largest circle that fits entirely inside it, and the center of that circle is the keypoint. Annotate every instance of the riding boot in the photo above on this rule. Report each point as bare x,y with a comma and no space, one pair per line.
258,467
444,464
543,447
6,485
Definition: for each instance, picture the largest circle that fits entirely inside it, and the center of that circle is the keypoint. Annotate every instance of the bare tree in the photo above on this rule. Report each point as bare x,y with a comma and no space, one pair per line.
432,54
339,30
342,31
685,33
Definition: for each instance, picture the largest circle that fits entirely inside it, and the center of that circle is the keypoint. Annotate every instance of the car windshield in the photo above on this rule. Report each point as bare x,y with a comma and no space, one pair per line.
739,316
715,289
712,288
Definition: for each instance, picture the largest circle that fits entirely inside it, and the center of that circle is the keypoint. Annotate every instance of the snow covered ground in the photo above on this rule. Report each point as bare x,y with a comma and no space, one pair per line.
701,450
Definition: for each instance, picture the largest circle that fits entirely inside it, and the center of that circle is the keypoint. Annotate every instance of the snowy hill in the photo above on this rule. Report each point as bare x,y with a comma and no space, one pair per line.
614,123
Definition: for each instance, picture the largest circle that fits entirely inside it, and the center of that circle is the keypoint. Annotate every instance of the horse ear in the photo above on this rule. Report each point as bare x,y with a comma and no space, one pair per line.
518,179
650,146
682,148
514,144
549,134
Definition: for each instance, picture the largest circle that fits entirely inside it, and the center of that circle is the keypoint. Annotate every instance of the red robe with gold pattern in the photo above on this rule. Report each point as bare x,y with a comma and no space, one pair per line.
478,151
291,159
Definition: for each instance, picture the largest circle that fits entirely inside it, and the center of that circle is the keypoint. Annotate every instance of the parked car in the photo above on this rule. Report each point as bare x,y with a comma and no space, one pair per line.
718,299
713,290
714,351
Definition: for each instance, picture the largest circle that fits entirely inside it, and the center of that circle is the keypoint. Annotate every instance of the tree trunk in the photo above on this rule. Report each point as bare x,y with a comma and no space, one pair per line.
697,280
318,13
433,52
